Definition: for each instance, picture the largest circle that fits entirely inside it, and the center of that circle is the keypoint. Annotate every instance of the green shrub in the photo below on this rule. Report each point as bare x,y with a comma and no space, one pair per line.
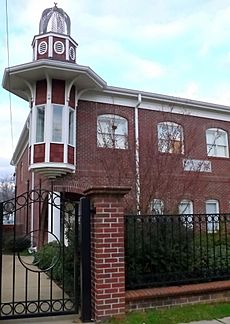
164,250
157,250
57,261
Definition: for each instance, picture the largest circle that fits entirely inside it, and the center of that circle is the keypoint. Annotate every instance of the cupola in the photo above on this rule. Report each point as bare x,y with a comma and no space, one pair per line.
54,41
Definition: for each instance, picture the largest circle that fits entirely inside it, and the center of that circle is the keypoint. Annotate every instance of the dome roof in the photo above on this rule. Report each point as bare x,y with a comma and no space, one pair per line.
54,20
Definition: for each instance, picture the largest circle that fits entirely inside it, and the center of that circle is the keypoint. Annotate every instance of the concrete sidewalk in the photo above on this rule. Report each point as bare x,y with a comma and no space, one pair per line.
66,319
18,280
225,320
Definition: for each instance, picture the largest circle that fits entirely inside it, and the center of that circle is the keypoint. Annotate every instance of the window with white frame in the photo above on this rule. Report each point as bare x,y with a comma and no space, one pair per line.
217,142
157,207
212,217
186,209
112,131
170,138
71,127
40,124
57,123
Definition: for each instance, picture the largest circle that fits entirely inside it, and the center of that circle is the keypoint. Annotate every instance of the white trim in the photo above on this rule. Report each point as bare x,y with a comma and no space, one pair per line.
117,95
40,50
48,119
137,153
213,150
52,34
50,46
216,113
59,47
52,167
67,49
54,227
65,132
72,53
36,50
214,226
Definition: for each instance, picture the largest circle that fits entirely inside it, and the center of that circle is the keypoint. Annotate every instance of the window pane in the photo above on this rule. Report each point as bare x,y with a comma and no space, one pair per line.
211,150
103,126
104,140
157,207
170,138
57,124
220,139
71,127
185,208
221,151
121,126
217,142
120,141
210,136
112,131
40,122
212,207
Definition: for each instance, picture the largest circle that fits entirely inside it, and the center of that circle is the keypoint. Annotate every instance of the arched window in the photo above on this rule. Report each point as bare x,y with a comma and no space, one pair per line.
186,207
217,142
212,211
157,207
112,131
186,210
170,138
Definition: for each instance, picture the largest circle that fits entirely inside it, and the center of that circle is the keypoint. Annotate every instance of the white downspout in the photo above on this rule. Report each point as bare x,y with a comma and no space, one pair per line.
32,211
137,155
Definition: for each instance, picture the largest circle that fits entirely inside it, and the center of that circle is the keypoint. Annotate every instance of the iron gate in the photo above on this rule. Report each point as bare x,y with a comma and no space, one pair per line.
40,255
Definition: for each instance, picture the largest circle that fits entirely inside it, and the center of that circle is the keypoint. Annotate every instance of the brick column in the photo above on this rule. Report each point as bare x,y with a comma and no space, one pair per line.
107,251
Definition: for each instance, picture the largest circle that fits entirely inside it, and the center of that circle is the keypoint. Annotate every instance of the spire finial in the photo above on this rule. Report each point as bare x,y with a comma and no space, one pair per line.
55,4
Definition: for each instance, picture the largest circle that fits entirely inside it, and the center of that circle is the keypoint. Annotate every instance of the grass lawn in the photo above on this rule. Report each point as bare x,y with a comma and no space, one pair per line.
177,315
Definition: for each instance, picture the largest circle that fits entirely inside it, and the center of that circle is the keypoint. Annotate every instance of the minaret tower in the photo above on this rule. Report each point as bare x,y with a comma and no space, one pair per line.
52,83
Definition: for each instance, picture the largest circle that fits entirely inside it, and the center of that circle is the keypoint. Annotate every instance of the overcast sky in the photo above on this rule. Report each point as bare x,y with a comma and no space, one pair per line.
172,47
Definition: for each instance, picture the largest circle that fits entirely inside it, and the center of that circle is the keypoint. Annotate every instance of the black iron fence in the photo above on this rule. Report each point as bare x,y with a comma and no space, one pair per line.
164,250
39,257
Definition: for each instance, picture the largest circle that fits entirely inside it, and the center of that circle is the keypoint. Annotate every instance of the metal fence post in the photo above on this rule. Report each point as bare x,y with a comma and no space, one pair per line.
1,247
85,259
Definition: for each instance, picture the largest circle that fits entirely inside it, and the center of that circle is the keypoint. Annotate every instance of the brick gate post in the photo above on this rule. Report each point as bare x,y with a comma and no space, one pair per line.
107,251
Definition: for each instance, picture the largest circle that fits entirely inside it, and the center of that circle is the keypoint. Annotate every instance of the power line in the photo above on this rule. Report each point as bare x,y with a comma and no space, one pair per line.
8,65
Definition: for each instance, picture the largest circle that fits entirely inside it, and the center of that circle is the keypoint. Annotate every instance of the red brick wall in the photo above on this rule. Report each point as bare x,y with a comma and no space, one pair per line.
59,56
56,152
39,153
162,174
41,92
96,165
72,97
58,92
70,154
165,297
107,252
45,55
165,172
72,45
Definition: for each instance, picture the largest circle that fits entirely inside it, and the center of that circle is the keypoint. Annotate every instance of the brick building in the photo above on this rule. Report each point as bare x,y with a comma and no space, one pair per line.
81,132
